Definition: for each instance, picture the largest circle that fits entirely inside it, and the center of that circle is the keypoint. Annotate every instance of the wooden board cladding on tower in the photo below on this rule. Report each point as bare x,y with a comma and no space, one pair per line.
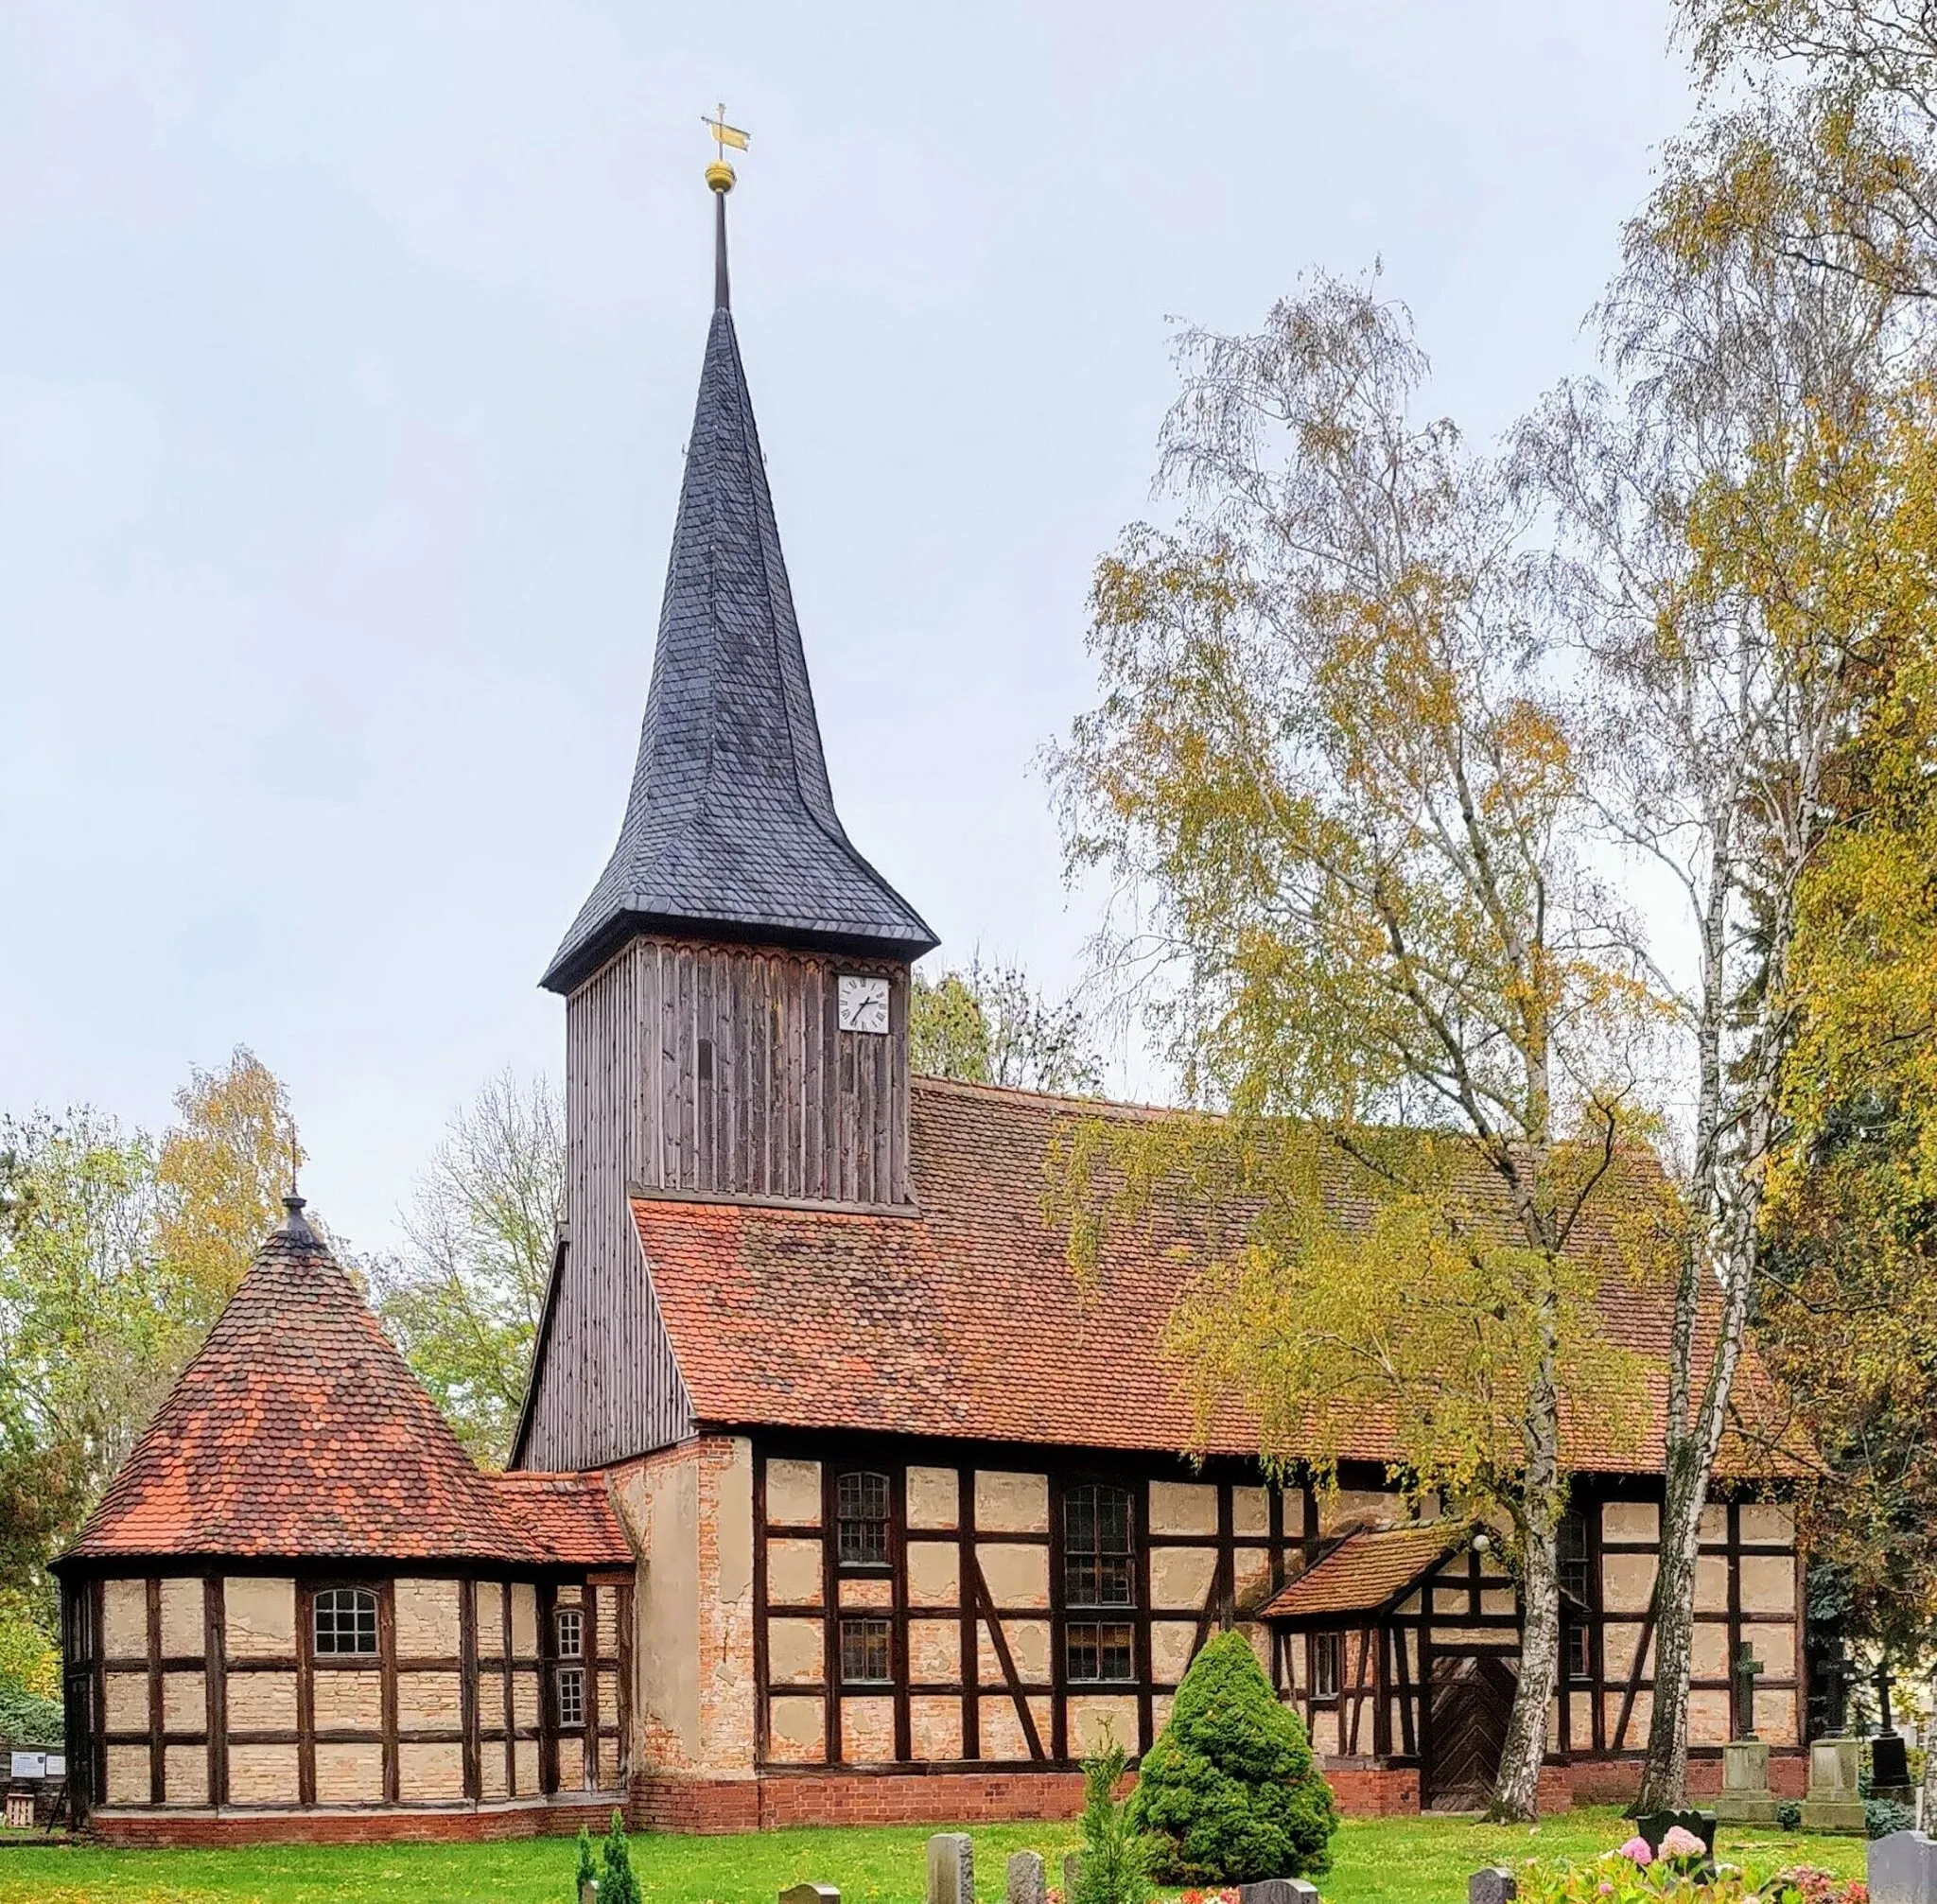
722,1070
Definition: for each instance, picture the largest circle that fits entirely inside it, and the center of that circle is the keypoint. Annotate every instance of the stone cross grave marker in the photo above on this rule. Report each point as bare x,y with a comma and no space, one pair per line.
1839,1673
1889,1765
1492,1884
1027,1883
951,1868
1747,1667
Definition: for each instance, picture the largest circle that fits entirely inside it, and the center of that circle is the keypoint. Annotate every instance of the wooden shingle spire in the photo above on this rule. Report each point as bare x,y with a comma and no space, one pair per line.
730,830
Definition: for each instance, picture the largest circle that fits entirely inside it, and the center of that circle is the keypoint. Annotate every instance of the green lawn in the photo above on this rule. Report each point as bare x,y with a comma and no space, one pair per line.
1402,1861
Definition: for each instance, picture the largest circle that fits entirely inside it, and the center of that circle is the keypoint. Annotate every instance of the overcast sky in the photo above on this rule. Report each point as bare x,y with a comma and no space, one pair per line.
346,356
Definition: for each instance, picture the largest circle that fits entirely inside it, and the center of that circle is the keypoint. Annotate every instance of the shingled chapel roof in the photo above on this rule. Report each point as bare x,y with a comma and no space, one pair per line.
298,1432
964,1319
731,827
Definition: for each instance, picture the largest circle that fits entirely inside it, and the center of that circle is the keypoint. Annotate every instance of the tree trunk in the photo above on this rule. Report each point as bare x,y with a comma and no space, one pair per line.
1516,1790
1690,1463
1664,1772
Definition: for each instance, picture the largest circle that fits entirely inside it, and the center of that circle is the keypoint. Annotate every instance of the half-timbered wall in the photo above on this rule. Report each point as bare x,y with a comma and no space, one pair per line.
204,1691
970,1610
1747,1588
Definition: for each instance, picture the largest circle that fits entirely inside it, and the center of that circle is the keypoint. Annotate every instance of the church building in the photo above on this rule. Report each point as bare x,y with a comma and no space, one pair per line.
833,1500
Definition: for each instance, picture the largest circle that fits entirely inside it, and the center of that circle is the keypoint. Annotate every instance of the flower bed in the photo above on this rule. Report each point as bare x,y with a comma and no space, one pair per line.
1681,1873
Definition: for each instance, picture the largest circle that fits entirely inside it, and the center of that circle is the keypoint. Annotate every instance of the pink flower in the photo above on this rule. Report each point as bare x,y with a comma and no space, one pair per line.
1637,1852
1607,1890
1679,1843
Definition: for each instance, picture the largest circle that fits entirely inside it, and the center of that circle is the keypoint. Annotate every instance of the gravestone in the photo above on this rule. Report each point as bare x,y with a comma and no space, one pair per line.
1027,1883
1655,1826
1745,1797
1493,1884
811,1893
1073,1869
1278,1891
1835,1799
1902,1869
1837,1672
1747,1667
1889,1765
951,1868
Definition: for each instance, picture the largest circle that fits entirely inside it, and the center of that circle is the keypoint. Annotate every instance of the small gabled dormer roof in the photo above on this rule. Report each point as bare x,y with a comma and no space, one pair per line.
299,1433
730,830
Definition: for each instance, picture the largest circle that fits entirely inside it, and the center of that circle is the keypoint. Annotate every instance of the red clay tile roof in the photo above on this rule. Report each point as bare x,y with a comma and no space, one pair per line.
964,1320
568,1519
299,1432
1366,1570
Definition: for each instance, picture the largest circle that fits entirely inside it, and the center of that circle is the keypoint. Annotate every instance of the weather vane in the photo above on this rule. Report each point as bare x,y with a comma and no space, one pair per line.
720,174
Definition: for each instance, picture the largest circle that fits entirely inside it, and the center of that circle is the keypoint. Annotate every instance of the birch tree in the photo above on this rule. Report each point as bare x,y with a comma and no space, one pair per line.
1339,790
1709,506
462,1300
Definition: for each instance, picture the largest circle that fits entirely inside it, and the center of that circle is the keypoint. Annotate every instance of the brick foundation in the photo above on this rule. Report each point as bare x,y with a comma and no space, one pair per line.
1374,1791
774,1800
1615,1781
203,1830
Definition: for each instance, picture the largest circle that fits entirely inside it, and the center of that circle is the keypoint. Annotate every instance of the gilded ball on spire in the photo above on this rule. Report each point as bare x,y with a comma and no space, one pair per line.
719,175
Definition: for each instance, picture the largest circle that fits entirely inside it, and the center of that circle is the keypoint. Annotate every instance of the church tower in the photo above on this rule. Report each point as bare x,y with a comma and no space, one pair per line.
737,984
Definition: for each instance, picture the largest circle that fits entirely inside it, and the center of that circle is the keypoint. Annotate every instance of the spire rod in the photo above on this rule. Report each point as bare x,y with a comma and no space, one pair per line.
720,177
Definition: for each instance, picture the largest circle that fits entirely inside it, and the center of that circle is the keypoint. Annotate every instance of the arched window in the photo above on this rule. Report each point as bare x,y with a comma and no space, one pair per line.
345,1620
1099,1574
861,1509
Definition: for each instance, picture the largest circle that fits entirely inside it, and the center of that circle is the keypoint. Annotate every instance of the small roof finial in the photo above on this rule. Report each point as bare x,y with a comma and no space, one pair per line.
720,177
294,1222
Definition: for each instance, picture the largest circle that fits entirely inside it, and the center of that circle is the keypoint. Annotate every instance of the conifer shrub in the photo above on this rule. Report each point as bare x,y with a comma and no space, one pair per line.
1230,1793
587,1871
1113,1867
617,1885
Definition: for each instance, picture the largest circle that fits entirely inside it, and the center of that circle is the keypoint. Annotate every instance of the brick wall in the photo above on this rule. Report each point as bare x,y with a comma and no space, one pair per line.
1373,1792
1615,1781
853,1798
189,1830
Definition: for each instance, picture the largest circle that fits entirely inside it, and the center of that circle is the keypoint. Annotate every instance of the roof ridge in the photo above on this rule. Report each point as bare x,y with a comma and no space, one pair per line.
1018,1094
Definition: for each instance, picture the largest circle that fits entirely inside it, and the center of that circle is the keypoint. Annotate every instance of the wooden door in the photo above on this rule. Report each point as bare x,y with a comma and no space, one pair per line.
1471,1696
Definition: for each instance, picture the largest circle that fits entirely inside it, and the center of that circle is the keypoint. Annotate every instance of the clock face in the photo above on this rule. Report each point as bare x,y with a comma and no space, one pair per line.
863,1002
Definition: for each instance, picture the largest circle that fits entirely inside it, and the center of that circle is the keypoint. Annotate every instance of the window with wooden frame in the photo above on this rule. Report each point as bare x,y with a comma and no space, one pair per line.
344,1621
1099,1650
568,1627
1099,1575
861,1516
1574,1571
1328,1663
867,1652
1577,1654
